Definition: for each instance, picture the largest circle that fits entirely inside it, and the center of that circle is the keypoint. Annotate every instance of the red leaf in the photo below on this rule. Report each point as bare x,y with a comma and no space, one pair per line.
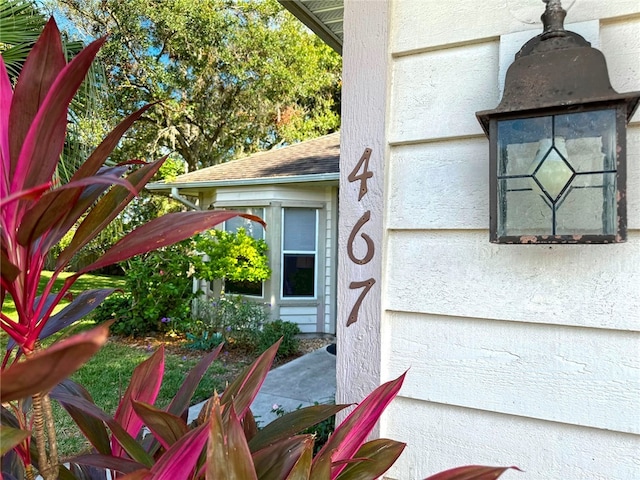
107,208
43,370
100,154
142,474
133,448
43,143
472,472
179,462
144,387
167,428
6,96
293,454
245,387
123,465
43,64
292,423
163,231
71,200
180,403
228,455
80,307
9,271
31,194
376,457
351,434
93,428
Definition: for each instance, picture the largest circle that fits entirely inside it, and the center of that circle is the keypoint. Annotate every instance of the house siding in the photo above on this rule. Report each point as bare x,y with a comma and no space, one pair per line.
517,355
311,315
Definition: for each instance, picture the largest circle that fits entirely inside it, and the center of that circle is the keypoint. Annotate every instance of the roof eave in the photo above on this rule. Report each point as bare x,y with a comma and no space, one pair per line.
317,177
306,16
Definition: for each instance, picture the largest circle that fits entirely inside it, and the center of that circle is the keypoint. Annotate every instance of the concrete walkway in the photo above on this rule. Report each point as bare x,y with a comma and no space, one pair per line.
303,381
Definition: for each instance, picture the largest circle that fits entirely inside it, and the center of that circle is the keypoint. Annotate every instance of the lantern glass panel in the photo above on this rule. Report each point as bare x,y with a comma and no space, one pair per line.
557,175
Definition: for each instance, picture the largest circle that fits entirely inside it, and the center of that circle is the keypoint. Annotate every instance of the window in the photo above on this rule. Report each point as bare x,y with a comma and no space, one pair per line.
255,230
299,252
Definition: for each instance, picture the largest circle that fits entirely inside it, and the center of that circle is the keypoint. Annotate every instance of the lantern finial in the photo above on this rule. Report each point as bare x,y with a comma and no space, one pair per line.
553,19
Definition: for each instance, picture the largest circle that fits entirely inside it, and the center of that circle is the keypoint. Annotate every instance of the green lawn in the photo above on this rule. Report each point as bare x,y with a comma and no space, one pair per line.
85,282
107,374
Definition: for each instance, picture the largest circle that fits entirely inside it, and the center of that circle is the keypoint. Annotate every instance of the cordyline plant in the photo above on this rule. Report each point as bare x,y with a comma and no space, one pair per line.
36,213
140,441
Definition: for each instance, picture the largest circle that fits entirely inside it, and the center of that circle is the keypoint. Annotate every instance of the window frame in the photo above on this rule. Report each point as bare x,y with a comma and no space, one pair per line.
284,252
223,227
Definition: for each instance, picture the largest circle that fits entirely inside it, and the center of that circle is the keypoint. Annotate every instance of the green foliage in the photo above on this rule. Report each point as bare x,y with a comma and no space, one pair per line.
160,292
232,256
37,211
160,287
321,431
116,307
234,77
237,319
204,340
20,26
106,377
288,331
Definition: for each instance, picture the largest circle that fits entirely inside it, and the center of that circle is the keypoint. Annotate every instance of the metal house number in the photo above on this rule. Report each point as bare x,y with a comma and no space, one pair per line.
361,173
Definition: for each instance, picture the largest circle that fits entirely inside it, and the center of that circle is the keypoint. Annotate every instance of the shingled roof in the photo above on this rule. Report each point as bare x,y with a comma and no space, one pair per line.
314,158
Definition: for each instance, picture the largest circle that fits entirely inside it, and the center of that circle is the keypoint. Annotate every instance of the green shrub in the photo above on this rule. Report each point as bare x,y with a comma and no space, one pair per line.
236,257
161,290
115,307
272,331
237,319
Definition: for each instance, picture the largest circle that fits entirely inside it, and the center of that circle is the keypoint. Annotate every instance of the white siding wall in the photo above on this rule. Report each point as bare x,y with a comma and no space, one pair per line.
518,355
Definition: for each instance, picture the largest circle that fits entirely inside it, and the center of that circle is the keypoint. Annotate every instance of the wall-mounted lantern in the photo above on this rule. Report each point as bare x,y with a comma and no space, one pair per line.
558,143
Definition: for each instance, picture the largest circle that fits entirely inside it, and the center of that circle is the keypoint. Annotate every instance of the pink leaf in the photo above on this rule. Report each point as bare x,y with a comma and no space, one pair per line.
163,231
31,194
43,143
6,95
166,427
43,64
144,387
179,462
245,387
472,472
43,370
351,434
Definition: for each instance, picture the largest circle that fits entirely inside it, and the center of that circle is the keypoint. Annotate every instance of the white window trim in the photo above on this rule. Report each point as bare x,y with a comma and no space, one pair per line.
245,209
284,252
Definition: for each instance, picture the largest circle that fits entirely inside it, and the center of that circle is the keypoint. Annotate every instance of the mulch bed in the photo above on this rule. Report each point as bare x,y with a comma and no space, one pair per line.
235,359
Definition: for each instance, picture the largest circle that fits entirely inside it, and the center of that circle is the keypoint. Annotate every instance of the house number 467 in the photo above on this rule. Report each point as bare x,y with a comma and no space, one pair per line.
361,173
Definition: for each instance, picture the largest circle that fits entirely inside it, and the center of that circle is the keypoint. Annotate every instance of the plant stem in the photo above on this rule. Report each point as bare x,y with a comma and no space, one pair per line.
45,430
51,434
29,472
38,426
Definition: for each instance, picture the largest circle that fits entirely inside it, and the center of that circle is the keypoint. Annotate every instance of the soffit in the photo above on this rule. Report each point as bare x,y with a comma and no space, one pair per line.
324,17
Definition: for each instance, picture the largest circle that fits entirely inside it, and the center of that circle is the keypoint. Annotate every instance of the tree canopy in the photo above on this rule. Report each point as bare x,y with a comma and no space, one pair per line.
231,76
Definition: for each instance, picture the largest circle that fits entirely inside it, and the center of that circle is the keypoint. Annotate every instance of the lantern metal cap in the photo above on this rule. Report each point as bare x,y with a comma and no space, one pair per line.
556,68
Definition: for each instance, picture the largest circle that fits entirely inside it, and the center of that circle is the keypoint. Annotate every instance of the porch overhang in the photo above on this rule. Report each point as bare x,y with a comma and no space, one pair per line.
323,17
313,178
